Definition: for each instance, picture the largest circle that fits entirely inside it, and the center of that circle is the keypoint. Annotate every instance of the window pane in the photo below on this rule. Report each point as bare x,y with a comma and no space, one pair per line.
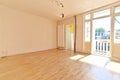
117,30
87,17
101,13
117,9
101,28
87,31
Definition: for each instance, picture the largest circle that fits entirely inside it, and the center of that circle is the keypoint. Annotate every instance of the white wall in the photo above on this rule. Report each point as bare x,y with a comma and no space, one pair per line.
22,32
60,36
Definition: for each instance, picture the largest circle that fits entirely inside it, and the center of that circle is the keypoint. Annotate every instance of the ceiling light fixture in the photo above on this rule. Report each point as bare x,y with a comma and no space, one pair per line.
59,3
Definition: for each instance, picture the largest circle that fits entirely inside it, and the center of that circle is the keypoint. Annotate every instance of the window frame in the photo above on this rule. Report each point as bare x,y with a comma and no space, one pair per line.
115,8
87,20
100,11
86,31
115,15
112,15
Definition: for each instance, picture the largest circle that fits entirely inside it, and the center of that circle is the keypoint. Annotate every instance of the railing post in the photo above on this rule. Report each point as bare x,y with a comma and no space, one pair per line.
99,46
108,46
96,46
105,47
102,46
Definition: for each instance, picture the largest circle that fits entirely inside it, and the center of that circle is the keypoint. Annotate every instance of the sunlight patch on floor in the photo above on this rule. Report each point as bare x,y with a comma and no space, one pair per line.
98,61
76,57
95,60
114,66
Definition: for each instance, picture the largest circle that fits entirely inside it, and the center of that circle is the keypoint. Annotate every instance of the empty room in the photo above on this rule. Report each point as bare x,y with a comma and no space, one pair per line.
59,39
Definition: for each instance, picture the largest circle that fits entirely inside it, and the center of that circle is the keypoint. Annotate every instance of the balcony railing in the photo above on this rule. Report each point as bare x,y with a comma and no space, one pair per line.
102,46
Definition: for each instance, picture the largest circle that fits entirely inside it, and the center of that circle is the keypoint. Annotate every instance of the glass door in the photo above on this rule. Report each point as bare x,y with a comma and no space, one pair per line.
101,36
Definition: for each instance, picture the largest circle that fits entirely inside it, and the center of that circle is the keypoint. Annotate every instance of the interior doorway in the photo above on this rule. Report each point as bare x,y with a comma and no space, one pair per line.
69,37
101,36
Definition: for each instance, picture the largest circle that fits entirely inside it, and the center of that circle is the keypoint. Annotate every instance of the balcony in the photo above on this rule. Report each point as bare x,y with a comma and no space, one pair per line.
102,42
102,47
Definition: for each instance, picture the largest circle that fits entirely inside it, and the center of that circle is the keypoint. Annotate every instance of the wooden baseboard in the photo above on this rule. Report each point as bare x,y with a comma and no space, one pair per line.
115,59
61,48
26,53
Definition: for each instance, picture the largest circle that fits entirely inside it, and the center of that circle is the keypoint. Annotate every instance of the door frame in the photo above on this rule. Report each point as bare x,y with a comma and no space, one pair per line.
111,27
74,36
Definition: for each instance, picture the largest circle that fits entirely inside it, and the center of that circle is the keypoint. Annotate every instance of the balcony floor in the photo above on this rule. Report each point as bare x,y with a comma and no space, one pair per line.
104,54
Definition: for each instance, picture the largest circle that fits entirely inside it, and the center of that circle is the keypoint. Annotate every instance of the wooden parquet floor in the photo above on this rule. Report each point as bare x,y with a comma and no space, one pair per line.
54,65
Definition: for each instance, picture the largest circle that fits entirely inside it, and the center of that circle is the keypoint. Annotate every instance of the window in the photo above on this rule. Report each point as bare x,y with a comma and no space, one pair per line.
102,28
103,22
117,9
117,30
87,27
87,31
87,17
101,13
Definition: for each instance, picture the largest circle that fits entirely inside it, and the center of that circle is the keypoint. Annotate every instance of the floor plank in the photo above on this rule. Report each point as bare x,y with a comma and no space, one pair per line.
57,65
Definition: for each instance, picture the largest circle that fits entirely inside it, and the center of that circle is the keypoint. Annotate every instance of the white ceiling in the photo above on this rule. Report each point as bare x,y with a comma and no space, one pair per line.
49,9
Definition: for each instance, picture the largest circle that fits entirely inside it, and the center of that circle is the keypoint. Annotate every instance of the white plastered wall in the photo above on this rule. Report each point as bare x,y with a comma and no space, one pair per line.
21,32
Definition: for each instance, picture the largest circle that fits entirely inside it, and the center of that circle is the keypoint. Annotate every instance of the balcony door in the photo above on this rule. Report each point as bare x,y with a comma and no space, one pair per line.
101,33
101,36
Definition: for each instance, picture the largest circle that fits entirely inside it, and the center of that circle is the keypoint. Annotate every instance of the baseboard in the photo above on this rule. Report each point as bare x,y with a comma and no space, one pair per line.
115,59
25,53
61,48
